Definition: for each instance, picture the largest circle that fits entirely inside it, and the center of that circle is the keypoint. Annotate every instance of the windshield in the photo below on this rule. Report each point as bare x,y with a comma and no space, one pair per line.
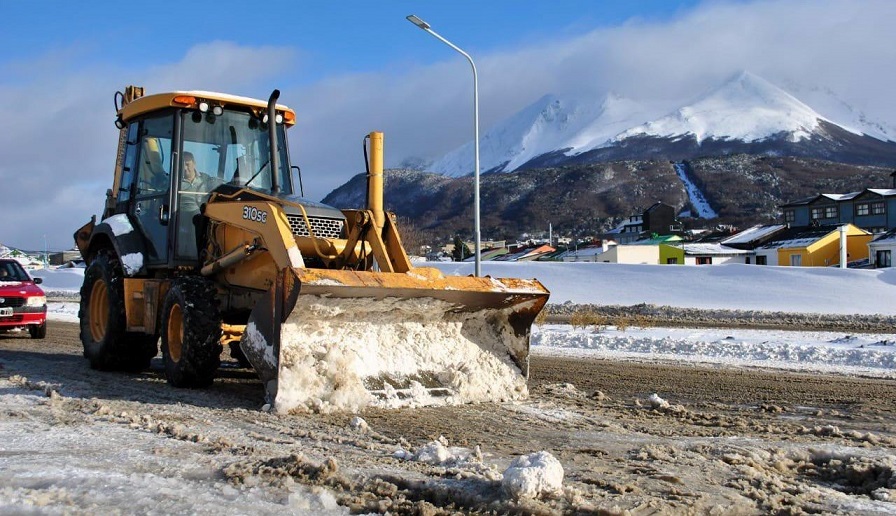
12,271
234,148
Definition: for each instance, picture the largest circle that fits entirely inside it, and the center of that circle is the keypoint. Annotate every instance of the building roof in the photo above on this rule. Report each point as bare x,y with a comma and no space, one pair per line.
888,237
801,236
592,250
840,197
714,249
885,192
753,234
658,239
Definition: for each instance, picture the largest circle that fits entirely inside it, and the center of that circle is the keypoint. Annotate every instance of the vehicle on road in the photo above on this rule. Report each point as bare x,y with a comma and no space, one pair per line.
23,304
207,241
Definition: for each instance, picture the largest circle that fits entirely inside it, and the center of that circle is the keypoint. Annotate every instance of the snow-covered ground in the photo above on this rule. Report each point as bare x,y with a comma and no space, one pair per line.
734,287
106,468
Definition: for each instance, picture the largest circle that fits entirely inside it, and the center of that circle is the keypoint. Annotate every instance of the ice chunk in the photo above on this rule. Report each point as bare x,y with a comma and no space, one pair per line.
533,476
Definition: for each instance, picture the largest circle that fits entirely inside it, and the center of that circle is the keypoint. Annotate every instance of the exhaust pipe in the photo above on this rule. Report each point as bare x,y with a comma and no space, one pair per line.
272,138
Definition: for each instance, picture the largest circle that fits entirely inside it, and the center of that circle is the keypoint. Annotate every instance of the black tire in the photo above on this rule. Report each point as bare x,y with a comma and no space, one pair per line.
191,333
107,345
38,331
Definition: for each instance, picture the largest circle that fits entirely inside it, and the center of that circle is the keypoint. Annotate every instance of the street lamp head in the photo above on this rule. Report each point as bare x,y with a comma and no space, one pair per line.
418,22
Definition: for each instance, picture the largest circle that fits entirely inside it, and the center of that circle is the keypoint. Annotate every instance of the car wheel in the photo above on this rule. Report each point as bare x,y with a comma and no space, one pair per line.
38,331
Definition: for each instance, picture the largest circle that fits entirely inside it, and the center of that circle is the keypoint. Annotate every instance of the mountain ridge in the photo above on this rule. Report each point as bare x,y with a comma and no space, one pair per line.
746,114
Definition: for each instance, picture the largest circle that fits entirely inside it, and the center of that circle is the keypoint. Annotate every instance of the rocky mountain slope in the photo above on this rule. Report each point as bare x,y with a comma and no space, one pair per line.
585,199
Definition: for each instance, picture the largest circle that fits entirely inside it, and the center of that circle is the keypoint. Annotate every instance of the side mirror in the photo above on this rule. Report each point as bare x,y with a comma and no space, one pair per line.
38,281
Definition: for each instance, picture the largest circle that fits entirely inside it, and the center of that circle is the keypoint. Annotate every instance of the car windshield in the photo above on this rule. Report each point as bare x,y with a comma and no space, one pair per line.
12,271
233,147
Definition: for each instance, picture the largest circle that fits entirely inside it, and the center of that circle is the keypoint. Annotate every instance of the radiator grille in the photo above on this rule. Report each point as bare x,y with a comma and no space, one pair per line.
323,227
14,302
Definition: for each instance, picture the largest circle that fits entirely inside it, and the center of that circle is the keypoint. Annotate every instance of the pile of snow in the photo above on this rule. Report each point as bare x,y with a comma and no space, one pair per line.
439,453
657,402
337,347
66,280
533,476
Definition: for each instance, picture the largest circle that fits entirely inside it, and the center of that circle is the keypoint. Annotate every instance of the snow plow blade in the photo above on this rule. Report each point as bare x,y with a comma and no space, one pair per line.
336,340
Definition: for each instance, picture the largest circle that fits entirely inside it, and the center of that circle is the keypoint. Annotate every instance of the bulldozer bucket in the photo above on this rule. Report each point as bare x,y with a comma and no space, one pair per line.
337,340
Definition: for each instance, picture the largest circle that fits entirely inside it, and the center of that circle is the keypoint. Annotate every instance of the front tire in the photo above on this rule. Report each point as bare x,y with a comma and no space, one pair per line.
191,333
107,345
38,331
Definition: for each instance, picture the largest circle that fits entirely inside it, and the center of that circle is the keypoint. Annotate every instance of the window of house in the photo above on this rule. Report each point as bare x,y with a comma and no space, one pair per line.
789,216
878,208
671,260
830,212
796,260
704,260
761,260
816,213
863,209
882,259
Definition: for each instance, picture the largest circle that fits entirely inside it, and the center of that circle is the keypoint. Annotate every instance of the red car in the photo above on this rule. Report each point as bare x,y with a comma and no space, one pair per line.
22,303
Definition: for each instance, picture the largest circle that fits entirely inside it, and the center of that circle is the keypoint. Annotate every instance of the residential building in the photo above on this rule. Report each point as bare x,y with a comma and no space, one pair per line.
631,254
814,246
658,219
872,209
702,254
882,249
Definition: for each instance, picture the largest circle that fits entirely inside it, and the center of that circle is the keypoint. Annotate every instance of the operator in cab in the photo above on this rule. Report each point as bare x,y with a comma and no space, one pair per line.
193,192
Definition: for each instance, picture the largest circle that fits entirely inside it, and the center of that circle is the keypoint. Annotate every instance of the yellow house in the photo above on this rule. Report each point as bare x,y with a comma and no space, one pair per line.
814,246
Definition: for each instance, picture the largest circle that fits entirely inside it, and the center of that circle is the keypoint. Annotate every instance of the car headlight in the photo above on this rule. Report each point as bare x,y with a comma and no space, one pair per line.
36,301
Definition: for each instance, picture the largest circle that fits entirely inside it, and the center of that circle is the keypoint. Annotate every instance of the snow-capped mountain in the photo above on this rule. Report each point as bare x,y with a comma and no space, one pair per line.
547,125
746,108
745,114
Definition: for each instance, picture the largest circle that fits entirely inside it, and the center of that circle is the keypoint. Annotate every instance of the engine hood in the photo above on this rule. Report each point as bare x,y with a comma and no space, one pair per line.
19,289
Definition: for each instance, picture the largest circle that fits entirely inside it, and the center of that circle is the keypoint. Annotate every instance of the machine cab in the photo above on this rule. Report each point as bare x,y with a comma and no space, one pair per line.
177,149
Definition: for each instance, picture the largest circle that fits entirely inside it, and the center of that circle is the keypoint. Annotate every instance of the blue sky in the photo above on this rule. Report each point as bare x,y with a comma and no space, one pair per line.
328,37
352,67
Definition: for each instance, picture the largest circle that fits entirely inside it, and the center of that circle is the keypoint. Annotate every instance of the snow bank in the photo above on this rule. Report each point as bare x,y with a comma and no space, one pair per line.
728,286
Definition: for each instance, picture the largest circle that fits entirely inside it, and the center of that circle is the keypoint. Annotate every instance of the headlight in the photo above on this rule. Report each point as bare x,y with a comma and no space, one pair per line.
36,301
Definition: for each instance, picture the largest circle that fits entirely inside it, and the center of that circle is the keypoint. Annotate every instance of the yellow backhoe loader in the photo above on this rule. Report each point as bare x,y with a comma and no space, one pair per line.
205,242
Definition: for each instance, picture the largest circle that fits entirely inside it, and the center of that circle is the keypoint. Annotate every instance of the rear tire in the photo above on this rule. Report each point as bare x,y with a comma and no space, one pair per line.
38,331
191,333
107,345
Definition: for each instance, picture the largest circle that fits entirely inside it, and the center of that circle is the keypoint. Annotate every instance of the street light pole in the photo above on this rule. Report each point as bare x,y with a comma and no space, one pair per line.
477,241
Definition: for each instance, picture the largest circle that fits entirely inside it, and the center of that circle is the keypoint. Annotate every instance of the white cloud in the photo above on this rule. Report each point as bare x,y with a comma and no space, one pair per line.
427,111
58,146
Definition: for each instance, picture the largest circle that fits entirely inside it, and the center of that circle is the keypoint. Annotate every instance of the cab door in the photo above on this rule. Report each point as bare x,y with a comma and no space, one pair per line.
151,207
